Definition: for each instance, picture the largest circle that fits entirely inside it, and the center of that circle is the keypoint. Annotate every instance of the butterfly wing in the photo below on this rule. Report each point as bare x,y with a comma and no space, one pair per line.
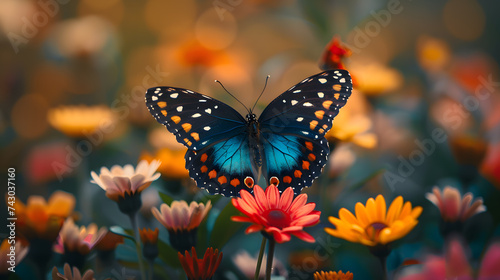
293,127
218,156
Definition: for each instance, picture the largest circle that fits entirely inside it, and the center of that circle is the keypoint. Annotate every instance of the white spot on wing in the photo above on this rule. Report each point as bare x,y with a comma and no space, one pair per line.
294,102
342,80
174,95
321,95
322,80
307,104
299,119
209,111
197,115
297,91
154,98
179,109
207,128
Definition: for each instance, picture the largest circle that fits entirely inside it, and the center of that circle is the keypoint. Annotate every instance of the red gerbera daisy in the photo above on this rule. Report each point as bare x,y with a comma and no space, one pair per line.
278,216
200,269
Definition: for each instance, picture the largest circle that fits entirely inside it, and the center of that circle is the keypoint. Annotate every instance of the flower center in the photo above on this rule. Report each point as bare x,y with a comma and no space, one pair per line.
278,218
374,229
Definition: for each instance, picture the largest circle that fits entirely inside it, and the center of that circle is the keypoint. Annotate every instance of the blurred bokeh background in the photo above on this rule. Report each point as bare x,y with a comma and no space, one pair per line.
425,110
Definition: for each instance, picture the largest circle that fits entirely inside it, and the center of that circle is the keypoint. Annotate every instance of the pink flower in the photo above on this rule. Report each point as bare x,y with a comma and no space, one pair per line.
455,265
453,206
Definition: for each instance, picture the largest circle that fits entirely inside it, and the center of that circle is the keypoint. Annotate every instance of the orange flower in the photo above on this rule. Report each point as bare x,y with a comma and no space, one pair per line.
149,239
200,269
333,275
374,224
42,219
148,235
278,216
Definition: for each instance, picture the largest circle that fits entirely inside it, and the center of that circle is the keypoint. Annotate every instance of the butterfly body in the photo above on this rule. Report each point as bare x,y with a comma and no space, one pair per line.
227,152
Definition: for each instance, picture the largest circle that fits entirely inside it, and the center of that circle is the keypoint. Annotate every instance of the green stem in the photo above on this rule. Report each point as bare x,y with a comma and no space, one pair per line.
259,260
270,257
151,271
133,221
383,263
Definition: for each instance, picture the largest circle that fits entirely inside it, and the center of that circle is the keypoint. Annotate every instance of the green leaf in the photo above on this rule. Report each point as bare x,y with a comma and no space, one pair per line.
168,254
122,232
166,198
224,228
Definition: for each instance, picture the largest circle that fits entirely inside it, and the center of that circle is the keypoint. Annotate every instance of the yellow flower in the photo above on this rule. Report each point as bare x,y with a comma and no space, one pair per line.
352,125
80,121
172,162
333,275
433,54
373,223
376,79
42,219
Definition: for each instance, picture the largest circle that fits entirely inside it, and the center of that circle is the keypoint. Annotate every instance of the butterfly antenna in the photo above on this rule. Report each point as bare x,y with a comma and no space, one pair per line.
265,85
217,81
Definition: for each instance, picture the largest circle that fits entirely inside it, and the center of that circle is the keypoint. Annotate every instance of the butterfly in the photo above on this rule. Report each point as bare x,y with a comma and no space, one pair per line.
227,152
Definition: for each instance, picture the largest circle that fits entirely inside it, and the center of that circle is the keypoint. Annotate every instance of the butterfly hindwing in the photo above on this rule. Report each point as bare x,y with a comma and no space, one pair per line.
196,120
223,168
294,124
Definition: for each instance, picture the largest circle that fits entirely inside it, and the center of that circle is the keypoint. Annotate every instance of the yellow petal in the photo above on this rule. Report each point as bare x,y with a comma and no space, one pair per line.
380,207
394,210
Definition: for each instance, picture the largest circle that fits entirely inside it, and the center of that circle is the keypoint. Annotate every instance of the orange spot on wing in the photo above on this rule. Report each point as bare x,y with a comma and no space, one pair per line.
337,87
305,165
309,145
212,174
321,131
287,179
274,181
222,180
313,124
164,112
327,104
319,114
186,127
162,104
203,157
189,143
325,126
176,119
311,157
235,182
297,174
195,136
336,96
204,169
249,182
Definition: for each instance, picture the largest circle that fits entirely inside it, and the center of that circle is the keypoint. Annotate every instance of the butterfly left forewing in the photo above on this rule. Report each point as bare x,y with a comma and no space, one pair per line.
196,120
300,117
